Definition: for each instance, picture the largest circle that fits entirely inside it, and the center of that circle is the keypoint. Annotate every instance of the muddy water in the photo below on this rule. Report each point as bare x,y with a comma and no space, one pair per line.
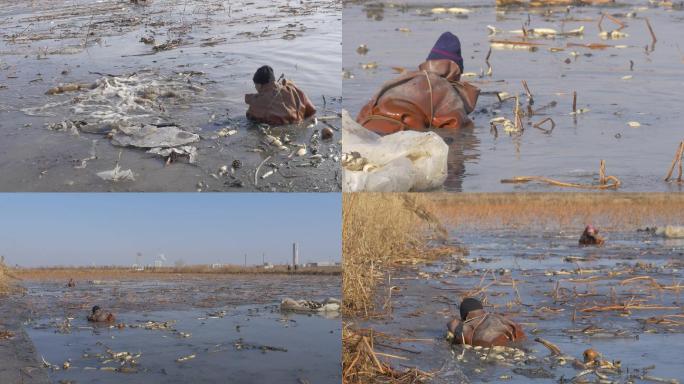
427,297
237,336
206,53
640,157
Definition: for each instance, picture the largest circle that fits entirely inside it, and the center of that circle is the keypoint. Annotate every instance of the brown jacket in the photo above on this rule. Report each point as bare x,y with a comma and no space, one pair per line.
279,103
589,239
101,316
432,97
485,329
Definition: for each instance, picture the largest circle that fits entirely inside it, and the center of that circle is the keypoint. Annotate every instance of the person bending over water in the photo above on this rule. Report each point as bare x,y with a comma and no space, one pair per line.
479,328
431,97
277,102
100,316
590,236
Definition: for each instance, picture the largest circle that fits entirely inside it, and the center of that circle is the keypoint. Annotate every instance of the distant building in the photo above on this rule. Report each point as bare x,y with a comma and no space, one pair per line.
321,264
265,266
295,254
216,266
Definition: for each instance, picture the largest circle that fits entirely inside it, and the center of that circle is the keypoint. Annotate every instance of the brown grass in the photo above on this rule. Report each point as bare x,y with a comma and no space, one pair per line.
612,211
379,230
361,364
7,280
116,272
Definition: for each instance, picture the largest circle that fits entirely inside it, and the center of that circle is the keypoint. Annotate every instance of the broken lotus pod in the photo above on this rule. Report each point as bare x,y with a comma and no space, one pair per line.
590,355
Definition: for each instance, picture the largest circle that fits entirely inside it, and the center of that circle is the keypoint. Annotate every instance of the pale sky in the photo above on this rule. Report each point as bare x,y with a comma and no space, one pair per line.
43,229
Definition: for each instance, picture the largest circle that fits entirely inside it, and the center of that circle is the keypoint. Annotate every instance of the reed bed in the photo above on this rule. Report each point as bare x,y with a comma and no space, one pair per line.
612,211
118,272
7,280
379,231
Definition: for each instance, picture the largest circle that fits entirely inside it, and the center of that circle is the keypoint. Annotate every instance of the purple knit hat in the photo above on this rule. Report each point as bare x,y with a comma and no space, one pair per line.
447,47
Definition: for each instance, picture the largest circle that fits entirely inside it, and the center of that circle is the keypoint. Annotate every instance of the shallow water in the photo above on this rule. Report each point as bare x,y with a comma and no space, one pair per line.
427,298
639,157
221,43
227,346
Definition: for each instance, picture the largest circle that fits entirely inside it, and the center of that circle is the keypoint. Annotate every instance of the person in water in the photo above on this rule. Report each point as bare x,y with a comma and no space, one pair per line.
277,102
431,97
590,236
71,283
100,316
479,328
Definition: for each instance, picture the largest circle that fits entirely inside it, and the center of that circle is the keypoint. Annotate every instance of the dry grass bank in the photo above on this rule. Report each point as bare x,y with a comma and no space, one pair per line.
612,211
7,280
121,273
379,230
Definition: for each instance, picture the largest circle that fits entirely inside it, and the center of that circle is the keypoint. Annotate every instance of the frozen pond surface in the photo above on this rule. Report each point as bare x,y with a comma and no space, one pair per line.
552,293
186,63
250,343
649,93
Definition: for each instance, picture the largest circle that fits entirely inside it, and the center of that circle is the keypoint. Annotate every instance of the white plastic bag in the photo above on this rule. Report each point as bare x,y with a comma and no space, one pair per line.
399,162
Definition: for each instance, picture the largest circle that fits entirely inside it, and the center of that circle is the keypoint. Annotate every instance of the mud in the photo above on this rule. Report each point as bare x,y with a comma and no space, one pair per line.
194,329
183,64
629,91
555,289
20,362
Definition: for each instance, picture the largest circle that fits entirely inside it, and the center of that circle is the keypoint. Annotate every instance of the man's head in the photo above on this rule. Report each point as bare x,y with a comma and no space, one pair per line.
590,230
96,308
469,304
448,46
264,75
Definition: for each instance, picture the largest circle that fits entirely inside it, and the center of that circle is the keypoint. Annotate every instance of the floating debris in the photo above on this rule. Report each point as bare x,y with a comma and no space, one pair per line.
227,131
150,136
171,155
185,358
362,49
328,305
117,174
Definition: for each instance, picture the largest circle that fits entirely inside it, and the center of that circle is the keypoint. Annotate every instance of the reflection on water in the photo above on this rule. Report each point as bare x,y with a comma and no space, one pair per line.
400,35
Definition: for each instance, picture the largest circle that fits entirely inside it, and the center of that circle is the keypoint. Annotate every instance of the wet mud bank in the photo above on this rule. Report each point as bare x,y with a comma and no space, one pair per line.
625,78
20,361
92,90
175,330
622,300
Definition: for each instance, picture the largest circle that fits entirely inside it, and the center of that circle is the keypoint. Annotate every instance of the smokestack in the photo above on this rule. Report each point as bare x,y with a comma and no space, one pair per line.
295,254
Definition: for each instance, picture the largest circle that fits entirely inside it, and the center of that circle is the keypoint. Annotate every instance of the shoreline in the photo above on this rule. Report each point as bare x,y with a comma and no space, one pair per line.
18,354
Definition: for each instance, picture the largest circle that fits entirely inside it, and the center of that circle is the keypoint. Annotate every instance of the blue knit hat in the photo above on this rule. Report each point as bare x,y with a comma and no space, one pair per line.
447,47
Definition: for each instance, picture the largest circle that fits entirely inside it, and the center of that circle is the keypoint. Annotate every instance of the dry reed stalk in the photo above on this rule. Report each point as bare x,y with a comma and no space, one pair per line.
627,307
605,182
677,160
553,348
650,30
489,66
611,18
539,125
361,362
